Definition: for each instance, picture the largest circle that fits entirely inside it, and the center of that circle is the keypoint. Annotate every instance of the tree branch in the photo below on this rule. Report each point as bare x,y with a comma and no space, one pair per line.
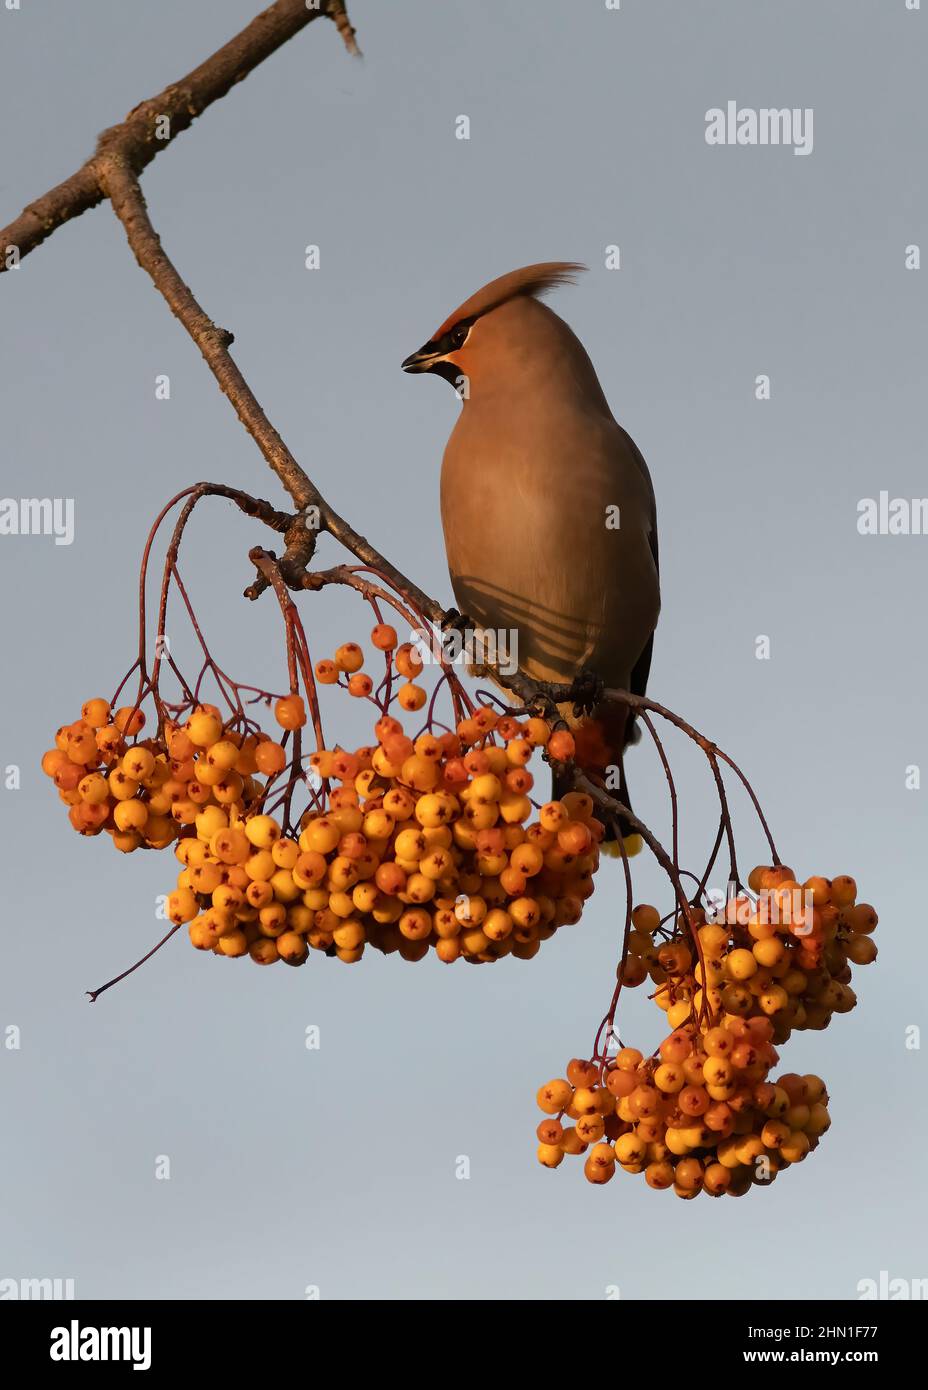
154,123
125,194
124,191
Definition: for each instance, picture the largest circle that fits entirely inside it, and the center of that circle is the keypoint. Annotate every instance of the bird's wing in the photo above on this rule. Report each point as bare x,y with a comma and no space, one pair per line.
638,683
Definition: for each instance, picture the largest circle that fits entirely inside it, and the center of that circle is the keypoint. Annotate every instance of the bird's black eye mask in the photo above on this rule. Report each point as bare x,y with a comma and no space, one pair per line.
455,338
430,355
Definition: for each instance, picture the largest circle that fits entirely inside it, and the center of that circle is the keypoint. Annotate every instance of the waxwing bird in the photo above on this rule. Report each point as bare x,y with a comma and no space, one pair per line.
547,505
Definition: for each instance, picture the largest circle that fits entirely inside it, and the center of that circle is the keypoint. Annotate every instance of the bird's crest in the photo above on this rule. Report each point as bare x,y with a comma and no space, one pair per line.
531,280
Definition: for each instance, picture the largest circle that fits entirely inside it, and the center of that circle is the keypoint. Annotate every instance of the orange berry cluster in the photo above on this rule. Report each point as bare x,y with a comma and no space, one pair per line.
409,843
701,1116
786,954
349,659
702,1113
423,842
145,792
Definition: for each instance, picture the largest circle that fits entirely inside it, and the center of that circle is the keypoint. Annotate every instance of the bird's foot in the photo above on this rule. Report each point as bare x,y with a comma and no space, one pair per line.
457,622
586,691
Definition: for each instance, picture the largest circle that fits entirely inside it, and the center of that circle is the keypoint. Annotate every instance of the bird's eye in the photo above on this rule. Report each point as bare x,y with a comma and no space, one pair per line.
458,335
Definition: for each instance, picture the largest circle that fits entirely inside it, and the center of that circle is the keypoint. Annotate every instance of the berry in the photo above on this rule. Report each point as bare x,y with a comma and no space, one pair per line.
411,697
129,720
270,758
561,746
290,712
360,685
408,661
383,636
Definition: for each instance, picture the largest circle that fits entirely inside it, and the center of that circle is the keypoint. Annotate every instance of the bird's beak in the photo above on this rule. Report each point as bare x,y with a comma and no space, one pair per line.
423,360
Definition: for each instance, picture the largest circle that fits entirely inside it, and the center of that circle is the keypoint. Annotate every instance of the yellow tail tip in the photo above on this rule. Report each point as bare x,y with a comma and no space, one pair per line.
633,845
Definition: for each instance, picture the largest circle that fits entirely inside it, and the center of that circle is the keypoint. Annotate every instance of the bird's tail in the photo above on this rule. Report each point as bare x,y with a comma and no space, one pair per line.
601,739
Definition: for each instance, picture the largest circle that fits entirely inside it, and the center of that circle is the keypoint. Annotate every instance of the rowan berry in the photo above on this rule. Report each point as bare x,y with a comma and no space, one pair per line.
383,637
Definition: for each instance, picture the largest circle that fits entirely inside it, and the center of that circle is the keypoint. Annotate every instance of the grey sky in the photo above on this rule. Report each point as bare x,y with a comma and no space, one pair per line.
336,1168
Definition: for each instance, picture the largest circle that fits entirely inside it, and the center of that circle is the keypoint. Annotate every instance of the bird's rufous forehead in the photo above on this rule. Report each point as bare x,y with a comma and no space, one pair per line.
532,280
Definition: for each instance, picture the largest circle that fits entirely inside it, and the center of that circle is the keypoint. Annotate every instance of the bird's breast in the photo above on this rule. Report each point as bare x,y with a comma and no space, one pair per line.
547,517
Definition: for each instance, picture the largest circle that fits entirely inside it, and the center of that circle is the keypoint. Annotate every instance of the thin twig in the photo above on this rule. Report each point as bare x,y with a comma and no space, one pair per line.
94,994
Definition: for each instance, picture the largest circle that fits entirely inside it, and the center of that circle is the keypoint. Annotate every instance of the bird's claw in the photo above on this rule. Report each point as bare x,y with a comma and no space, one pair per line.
454,621
586,691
